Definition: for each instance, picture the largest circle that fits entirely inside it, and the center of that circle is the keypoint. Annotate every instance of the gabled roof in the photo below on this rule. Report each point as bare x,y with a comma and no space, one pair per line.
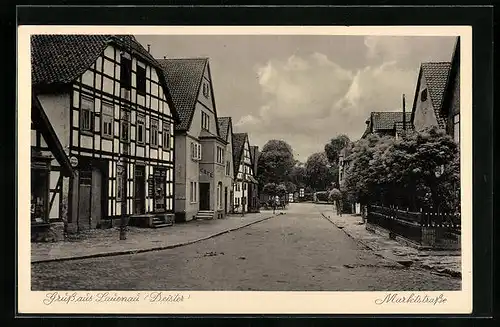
239,140
184,77
454,71
436,76
384,121
399,126
59,59
224,123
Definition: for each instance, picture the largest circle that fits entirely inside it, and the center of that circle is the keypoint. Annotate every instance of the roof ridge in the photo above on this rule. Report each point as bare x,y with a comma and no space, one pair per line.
436,62
187,58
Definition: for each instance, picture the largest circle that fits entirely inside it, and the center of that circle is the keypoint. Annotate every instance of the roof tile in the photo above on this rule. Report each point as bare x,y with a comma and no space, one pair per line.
224,123
238,145
184,79
436,77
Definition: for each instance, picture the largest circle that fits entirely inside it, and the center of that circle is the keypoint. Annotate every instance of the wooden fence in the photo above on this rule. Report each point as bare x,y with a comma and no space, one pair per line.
424,227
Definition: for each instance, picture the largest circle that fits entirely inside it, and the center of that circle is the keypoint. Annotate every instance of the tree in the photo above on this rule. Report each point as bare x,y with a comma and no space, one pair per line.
275,162
333,148
269,189
298,176
319,173
418,170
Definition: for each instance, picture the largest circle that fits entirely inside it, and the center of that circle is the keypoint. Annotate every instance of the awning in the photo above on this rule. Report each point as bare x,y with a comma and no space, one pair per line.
42,124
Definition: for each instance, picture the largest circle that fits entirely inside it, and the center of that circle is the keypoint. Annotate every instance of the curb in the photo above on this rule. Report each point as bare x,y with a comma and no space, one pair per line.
446,271
165,247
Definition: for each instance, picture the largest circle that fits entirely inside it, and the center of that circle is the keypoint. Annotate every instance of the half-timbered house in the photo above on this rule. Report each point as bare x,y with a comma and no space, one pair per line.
245,198
200,149
110,106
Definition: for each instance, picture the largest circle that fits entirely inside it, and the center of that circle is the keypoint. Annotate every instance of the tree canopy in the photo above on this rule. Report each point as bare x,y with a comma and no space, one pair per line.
333,148
275,162
320,174
418,170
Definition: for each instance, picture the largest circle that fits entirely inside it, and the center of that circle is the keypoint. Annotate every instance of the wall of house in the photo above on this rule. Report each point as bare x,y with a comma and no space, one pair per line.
100,85
455,105
187,171
56,107
207,101
424,115
227,181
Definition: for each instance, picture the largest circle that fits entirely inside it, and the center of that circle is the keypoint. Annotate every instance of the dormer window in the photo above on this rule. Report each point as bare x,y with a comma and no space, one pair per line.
423,95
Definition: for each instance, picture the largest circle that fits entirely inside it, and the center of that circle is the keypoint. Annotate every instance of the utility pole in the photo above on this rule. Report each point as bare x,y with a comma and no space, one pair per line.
404,113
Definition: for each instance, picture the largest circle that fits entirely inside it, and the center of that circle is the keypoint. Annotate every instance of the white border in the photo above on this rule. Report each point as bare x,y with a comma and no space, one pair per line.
246,302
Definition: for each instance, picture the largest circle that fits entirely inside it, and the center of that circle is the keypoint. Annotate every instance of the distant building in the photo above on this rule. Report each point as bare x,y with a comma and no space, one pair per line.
386,123
437,95
254,152
200,150
245,197
226,132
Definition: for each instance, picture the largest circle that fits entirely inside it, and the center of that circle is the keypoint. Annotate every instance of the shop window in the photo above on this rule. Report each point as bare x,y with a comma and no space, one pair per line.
160,186
39,195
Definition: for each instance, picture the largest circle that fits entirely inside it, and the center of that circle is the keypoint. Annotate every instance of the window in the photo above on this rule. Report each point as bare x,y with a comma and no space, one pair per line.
193,192
205,120
456,128
195,151
244,186
238,187
237,201
423,95
126,71
107,120
166,136
206,90
154,132
125,127
220,155
86,114
141,129
141,80
228,168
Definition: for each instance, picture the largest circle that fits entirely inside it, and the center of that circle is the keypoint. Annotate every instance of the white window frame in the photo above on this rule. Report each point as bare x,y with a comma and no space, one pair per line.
195,151
193,192
107,120
90,110
154,126
205,121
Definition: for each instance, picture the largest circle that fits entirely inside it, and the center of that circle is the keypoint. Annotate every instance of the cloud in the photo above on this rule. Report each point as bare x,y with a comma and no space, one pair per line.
306,100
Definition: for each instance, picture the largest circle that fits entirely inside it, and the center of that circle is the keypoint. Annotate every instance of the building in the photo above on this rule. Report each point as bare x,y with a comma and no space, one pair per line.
437,95
384,123
451,101
52,177
110,107
254,153
245,198
226,132
200,149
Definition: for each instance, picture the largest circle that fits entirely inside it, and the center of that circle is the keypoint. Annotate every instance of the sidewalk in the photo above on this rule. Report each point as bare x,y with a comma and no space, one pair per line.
442,262
106,242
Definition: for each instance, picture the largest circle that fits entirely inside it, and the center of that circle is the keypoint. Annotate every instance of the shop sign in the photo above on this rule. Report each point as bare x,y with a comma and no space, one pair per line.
73,161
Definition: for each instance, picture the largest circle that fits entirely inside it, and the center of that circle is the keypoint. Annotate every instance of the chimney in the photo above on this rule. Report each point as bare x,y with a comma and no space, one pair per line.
164,57
404,114
149,47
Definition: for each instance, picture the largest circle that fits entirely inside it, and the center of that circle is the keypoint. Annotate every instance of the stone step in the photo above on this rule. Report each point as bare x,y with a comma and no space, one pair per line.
160,225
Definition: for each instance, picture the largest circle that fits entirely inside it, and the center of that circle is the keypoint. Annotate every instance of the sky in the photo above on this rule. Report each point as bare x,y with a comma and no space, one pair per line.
306,89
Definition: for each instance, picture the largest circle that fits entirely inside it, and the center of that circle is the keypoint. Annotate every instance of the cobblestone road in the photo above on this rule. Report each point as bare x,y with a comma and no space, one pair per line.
300,250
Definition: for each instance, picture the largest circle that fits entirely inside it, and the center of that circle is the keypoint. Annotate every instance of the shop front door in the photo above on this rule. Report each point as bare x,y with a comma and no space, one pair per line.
204,196
140,190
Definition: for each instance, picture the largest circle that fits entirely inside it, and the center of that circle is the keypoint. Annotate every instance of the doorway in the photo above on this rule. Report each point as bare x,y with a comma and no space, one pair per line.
204,196
225,200
140,189
92,191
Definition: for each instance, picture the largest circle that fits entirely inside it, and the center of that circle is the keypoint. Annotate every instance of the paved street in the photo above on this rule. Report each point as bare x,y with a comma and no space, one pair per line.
300,250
